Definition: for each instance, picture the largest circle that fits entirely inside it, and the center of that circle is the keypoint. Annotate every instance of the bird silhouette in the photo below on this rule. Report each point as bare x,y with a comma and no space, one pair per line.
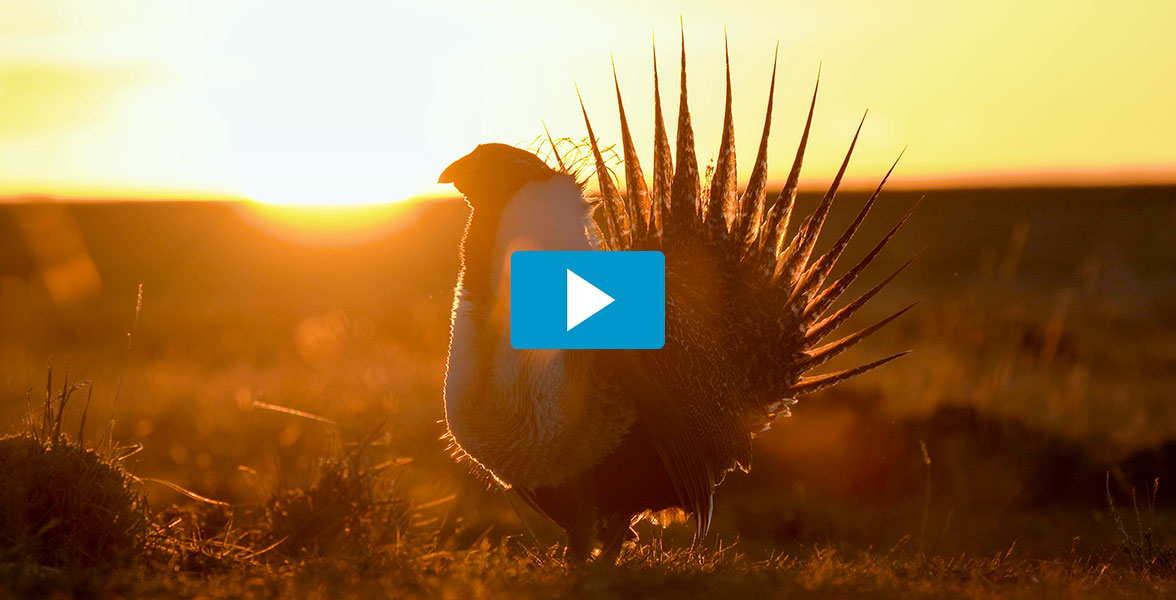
597,439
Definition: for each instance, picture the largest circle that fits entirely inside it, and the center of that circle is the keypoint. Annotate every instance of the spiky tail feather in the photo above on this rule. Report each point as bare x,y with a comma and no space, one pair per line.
746,304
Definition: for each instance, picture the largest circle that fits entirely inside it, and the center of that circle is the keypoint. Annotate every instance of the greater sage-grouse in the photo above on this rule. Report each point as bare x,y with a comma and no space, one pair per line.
595,439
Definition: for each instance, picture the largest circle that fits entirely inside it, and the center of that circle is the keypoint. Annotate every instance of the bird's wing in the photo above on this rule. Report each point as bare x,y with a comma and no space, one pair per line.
696,441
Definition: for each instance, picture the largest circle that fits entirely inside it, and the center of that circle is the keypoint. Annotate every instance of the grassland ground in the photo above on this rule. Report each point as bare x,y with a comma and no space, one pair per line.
296,384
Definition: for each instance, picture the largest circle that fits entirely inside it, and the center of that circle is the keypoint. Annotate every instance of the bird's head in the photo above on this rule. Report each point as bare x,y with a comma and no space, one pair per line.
492,173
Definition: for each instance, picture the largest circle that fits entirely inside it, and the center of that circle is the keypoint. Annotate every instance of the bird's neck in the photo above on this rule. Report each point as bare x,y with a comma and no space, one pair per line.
477,256
542,215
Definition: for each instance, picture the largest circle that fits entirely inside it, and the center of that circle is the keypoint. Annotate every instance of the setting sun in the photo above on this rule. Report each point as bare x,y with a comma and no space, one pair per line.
366,103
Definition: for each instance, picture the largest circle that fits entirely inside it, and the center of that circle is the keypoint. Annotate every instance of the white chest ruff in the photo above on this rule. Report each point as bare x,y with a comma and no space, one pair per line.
530,417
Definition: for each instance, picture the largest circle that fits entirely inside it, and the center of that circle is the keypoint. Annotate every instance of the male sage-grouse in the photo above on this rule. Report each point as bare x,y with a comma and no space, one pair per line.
595,439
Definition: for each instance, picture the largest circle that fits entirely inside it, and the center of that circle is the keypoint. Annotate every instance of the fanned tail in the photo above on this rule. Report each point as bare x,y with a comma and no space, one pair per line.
747,304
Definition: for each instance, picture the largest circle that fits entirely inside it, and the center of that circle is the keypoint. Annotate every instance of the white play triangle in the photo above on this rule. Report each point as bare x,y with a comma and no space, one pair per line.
584,300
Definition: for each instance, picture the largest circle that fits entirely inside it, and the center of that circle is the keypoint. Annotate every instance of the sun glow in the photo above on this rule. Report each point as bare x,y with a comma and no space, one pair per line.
366,102
297,106
331,225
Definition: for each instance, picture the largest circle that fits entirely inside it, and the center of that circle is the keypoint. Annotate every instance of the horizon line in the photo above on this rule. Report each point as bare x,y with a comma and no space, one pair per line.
997,179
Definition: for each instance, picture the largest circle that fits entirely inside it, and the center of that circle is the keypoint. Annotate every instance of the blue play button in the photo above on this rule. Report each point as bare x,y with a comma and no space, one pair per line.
587,300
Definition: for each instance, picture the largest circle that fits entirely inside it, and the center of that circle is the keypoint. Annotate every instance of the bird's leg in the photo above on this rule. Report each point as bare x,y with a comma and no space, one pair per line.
581,540
615,530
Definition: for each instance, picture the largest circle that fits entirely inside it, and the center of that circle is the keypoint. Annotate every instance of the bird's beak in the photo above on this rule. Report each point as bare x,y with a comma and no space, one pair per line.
455,171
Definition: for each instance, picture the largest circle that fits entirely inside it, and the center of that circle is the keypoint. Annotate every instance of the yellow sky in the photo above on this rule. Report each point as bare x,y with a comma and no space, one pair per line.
327,102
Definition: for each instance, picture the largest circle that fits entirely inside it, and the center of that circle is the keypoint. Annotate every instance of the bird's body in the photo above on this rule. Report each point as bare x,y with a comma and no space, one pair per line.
596,438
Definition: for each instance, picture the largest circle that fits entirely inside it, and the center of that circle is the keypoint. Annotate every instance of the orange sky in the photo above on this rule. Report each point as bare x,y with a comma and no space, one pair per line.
356,102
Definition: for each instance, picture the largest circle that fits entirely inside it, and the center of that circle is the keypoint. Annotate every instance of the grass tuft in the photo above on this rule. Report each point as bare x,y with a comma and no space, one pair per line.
346,513
63,504
1145,553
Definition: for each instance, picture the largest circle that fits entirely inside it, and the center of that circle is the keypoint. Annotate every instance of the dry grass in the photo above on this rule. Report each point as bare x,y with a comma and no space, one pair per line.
819,572
1043,361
